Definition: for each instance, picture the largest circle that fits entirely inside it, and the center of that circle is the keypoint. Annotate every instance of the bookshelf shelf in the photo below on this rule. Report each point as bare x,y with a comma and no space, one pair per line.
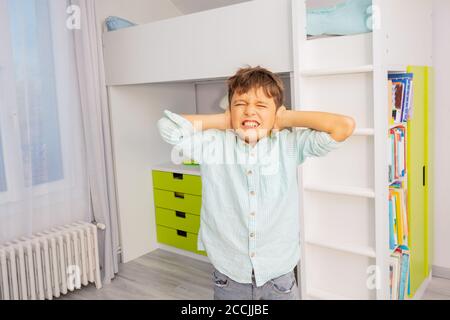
359,250
336,71
343,190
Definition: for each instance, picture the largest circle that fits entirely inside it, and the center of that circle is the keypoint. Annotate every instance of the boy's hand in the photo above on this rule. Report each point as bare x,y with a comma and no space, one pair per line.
220,121
280,118
227,119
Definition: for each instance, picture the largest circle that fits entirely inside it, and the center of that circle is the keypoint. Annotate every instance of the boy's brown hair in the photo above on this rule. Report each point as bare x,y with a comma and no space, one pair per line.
253,78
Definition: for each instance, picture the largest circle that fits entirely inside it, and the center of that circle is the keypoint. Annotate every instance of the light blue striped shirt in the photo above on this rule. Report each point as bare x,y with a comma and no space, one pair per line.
249,217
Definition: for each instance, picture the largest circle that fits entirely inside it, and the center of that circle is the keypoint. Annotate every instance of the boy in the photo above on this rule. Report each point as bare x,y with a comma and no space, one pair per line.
248,161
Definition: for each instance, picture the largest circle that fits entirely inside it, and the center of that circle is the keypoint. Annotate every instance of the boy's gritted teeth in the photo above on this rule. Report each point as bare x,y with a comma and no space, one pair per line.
250,124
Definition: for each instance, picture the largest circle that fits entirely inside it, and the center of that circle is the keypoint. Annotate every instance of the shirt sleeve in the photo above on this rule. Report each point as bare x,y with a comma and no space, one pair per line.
179,132
313,143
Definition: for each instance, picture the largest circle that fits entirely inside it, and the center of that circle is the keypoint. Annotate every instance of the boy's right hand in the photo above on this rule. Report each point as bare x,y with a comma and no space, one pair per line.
280,118
220,121
227,119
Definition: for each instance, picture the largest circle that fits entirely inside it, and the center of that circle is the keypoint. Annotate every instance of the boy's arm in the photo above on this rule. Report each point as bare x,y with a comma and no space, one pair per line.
184,132
339,127
325,131
201,122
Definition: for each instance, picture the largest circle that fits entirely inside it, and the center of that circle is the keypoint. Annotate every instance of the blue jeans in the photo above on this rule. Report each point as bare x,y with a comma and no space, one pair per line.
283,287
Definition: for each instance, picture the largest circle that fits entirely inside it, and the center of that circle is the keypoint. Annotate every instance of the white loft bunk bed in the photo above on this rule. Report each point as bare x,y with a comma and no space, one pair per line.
164,64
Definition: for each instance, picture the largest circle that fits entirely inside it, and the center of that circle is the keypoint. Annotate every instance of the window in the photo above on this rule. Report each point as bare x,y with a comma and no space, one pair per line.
35,94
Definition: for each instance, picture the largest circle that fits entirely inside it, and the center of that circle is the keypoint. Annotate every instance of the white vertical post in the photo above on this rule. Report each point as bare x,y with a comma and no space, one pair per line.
298,43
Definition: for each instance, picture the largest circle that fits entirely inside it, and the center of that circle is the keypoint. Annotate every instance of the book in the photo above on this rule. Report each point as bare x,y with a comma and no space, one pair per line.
404,271
401,92
397,159
394,268
390,99
399,273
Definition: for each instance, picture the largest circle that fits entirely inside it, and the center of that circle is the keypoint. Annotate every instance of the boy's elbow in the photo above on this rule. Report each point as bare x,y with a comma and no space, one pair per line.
344,130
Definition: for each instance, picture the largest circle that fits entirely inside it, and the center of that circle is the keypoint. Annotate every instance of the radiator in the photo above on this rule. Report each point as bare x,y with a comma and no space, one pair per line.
50,264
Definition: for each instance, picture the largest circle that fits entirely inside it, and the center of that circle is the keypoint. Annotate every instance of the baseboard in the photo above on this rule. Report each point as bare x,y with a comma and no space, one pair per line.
441,272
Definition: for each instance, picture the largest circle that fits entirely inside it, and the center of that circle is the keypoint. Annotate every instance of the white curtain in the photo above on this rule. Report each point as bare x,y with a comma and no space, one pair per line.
55,149
43,179
96,119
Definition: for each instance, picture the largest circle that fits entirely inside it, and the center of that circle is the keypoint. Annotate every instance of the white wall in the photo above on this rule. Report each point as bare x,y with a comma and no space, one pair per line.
312,4
441,48
137,11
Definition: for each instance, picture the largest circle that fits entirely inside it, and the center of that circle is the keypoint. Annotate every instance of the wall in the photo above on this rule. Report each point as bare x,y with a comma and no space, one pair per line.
441,52
191,6
137,11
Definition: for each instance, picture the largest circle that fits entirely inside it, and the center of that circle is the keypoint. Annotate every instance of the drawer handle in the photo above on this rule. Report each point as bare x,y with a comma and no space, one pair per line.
178,176
423,176
180,214
182,233
179,195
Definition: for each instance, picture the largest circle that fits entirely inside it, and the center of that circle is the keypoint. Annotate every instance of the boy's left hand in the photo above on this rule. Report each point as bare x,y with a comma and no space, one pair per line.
279,118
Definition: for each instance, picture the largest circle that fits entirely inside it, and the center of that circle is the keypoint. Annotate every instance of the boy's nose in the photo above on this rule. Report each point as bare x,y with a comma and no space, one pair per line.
249,110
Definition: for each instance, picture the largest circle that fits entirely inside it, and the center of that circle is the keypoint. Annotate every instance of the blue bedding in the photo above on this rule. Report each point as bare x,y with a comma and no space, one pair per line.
115,23
347,18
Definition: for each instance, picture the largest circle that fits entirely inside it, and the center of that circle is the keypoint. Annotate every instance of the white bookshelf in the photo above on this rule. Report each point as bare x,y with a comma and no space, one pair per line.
344,213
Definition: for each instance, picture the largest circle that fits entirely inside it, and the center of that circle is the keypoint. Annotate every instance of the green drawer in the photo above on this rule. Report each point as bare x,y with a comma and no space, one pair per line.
177,182
177,201
178,238
178,220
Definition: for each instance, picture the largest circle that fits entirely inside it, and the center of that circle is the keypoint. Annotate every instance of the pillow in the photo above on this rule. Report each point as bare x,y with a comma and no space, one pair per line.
115,23
350,17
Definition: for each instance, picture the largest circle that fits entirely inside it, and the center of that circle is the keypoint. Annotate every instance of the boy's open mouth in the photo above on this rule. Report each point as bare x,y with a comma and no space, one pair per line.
250,124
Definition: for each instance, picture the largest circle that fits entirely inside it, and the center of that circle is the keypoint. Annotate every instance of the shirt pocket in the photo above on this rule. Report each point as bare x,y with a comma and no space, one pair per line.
270,186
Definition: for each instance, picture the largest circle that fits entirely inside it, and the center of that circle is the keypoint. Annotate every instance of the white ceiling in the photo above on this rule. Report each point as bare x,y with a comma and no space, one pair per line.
191,6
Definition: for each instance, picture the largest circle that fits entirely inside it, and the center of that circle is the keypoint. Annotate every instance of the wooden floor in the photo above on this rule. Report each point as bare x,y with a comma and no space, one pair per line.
163,275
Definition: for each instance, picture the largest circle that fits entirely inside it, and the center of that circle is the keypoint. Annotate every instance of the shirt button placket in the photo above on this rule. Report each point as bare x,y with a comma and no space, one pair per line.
253,194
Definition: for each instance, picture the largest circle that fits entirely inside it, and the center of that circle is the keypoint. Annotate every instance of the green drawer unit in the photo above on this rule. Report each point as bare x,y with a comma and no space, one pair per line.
179,182
178,220
178,201
178,238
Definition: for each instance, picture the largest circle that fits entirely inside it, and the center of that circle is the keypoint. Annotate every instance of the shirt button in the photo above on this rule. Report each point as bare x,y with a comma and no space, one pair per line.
252,254
252,235
252,214
249,172
252,193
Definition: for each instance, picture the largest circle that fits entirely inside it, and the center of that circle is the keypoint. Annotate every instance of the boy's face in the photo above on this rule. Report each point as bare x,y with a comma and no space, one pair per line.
253,114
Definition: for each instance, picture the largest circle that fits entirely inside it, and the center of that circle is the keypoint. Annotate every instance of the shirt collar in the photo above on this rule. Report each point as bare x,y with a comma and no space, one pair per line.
244,146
